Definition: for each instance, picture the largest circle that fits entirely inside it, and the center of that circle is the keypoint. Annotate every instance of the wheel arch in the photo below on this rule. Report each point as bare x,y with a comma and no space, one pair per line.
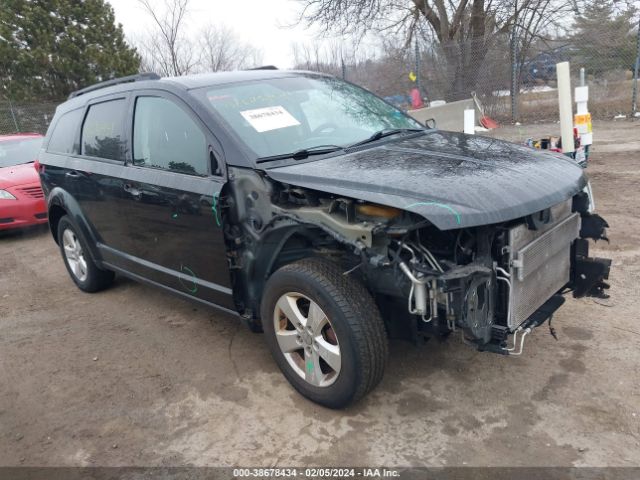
62,203
276,249
56,212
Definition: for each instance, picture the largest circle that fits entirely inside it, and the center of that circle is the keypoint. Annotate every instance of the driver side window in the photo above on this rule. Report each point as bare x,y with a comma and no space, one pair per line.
165,137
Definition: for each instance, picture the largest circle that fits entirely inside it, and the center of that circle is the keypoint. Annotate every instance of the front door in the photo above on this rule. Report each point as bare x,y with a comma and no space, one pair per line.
175,228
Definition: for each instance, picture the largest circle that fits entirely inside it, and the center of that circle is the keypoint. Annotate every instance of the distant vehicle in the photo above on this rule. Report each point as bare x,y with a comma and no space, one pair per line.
542,67
317,213
21,198
403,102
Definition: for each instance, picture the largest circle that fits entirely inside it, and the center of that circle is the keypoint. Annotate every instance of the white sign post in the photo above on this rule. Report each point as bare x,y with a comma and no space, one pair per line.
470,121
566,107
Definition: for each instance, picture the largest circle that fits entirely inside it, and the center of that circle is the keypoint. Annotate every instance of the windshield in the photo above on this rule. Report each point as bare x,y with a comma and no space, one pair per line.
283,115
16,152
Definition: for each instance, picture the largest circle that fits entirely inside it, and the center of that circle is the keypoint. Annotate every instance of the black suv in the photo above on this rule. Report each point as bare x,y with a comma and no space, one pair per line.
317,213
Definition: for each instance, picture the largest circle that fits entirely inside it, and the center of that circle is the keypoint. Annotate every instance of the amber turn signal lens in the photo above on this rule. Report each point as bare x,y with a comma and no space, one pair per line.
372,210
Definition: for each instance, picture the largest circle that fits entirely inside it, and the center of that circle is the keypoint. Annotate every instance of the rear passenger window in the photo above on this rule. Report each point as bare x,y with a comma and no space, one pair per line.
102,130
65,133
165,137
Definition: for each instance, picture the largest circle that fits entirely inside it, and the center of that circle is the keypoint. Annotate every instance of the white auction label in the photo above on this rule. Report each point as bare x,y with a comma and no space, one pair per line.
269,118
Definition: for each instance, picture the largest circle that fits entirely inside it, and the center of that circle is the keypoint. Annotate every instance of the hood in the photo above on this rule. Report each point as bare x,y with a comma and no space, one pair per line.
451,179
18,175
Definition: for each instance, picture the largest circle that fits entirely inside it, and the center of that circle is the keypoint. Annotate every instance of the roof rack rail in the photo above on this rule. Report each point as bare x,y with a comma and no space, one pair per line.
265,67
116,81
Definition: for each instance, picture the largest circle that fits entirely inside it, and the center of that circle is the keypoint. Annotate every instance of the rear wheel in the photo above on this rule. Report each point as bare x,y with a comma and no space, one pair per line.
83,271
324,331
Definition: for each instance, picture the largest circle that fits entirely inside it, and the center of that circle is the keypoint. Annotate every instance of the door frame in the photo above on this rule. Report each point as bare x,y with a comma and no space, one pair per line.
213,143
209,185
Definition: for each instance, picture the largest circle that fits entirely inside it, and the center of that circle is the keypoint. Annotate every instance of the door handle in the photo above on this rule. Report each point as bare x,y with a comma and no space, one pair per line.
72,174
130,189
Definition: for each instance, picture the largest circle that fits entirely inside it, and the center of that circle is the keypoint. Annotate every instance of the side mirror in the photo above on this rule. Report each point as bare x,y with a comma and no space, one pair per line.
430,123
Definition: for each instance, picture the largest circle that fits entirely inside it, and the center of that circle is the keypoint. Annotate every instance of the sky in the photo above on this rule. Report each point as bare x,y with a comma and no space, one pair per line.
262,23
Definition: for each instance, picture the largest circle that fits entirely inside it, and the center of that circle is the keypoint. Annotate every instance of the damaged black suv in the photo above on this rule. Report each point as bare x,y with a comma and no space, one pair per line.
317,213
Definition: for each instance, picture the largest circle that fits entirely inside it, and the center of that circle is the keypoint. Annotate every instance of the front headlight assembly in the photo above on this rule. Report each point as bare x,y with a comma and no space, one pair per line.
4,195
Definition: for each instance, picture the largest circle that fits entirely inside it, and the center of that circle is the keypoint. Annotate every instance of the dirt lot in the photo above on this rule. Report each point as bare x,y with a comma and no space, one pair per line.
132,376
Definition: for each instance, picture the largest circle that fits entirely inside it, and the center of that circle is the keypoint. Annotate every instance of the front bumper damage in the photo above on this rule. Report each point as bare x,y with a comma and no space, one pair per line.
515,287
492,283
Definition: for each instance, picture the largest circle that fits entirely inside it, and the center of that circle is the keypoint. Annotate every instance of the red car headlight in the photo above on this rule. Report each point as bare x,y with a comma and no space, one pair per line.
4,195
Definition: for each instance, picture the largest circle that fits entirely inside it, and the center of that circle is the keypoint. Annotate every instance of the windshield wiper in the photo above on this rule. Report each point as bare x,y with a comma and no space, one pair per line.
302,153
385,133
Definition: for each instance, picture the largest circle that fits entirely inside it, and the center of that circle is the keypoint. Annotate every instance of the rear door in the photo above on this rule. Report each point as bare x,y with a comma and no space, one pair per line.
97,172
85,157
171,193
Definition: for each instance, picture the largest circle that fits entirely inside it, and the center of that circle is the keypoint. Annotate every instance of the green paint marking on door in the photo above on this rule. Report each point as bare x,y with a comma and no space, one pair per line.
214,207
194,288
174,216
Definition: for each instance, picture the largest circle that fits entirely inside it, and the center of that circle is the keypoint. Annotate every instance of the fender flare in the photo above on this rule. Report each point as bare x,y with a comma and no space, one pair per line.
265,257
58,197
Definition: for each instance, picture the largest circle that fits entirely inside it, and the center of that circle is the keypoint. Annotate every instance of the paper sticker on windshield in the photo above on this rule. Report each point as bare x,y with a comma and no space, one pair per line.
269,118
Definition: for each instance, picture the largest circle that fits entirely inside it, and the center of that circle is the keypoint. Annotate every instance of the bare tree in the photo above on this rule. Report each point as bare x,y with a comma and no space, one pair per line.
329,57
167,49
462,30
223,50
381,68
310,57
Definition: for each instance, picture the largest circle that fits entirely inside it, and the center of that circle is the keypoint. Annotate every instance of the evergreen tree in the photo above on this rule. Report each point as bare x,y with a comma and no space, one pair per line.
604,38
49,48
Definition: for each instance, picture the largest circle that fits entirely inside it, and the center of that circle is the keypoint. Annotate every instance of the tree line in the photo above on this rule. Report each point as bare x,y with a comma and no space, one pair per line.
49,48
468,45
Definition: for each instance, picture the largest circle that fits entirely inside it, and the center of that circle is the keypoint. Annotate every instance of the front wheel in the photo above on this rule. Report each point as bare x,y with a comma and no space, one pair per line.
324,331
82,269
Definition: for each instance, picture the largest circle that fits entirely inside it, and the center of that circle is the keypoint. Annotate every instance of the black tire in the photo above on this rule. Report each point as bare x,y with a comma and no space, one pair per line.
354,317
96,278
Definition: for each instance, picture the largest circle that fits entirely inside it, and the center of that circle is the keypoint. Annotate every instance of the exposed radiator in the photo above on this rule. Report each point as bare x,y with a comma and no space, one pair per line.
540,262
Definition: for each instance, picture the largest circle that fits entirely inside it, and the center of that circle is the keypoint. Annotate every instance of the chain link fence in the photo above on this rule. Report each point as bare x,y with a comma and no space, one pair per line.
25,116
513,74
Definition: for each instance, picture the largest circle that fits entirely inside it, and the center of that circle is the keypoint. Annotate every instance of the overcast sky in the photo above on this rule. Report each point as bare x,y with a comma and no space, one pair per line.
259,22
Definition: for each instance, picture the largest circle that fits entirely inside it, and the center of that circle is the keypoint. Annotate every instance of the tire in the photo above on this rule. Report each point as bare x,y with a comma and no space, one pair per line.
341,313
82,269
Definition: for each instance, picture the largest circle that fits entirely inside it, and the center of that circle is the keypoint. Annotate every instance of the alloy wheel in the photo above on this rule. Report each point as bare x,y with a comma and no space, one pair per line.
307,339
74,255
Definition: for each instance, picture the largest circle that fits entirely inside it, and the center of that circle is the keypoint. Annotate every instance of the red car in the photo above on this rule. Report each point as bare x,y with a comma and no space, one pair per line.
21,199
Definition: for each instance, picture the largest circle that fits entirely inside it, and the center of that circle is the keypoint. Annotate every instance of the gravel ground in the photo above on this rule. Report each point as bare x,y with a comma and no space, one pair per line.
132,376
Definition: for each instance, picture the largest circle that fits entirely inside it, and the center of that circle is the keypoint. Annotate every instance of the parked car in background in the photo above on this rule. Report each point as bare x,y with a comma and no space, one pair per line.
21,199
319,214
541,69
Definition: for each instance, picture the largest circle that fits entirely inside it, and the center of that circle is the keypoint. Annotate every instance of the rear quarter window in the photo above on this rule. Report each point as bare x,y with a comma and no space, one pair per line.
102,130
65,133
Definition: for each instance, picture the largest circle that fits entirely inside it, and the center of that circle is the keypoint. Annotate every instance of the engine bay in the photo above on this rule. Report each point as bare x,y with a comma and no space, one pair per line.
486,282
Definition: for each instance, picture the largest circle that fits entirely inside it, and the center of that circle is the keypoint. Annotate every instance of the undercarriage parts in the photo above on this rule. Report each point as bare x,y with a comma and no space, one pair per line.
589,274
594,226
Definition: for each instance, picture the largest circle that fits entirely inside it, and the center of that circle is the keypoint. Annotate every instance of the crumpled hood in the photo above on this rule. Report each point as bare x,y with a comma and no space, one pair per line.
18,175
451,179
